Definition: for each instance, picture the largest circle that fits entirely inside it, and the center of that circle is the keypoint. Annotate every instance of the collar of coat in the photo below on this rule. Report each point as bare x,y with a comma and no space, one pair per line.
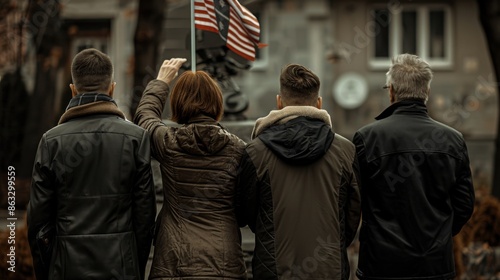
409,103
202,119
90,104
286,114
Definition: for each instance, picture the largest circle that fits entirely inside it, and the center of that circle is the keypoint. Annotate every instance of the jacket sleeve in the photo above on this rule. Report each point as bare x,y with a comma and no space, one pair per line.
144,204
246,193
149,111
353,205
360,159
41,210
462,194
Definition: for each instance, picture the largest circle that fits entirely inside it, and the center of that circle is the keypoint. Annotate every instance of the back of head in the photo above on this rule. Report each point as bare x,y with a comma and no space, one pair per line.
410,77
92,71
299,86
195,94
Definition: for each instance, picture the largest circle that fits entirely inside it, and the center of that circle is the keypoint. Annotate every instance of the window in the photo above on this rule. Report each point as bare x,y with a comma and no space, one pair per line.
89,33
421,30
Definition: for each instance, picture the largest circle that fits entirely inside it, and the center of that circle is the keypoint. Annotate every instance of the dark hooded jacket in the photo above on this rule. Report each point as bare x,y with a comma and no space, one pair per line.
92,204
197,236
298,194
417,193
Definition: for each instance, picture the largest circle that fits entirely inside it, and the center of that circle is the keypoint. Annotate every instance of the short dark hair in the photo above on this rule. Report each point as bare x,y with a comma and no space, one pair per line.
91,71
195,94
299,85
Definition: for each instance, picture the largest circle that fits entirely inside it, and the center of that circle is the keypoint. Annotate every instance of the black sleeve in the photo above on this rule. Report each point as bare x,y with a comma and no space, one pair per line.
41,210
462,194
246,193
144,204
353,205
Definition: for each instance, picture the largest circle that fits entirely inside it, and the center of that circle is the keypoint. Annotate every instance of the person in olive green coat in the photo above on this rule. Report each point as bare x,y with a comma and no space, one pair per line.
197,236
297,188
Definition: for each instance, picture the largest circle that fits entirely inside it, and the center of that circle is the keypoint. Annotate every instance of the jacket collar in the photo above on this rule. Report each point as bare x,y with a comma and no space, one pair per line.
414,104
288,113
202,119
88,97
90,104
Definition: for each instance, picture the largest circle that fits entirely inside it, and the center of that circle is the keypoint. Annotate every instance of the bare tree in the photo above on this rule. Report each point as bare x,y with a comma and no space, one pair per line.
146,41
12,88
11,16
44,27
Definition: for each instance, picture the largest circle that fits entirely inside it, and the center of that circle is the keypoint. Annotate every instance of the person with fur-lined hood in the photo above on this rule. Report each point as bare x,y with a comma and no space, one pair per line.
296,187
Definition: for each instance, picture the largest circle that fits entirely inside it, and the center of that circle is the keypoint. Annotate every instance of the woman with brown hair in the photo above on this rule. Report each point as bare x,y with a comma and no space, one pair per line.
196,233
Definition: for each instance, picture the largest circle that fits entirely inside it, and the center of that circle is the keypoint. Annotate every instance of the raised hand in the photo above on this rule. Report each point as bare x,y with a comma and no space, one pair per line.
170,69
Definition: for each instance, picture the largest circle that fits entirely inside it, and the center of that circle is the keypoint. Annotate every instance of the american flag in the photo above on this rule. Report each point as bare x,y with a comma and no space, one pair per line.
234,23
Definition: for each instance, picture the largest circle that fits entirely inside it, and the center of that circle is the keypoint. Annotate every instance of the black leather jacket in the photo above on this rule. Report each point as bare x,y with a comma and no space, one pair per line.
416,193
92,182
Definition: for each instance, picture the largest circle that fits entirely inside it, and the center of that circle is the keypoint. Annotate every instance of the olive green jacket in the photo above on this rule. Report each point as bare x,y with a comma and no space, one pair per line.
197,236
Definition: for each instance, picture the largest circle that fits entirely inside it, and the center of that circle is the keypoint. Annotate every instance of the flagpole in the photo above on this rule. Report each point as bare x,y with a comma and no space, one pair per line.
193,39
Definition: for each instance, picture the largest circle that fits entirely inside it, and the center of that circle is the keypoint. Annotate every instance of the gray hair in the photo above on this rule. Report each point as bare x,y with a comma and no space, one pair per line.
410,77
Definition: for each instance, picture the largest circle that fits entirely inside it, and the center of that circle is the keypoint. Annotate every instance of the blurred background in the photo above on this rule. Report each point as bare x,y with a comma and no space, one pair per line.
347,43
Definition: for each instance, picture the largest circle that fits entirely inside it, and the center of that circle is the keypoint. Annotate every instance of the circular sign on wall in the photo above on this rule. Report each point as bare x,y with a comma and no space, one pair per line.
350,90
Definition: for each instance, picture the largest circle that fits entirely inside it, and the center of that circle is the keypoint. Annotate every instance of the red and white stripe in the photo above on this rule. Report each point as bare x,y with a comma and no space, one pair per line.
204,15
244,28
249,21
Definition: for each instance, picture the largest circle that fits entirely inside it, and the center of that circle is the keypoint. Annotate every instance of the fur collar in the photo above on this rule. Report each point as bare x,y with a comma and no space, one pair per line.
288,113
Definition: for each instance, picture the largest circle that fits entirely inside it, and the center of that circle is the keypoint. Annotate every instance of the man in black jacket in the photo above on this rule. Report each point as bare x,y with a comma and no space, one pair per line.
297,189
415,182
92,204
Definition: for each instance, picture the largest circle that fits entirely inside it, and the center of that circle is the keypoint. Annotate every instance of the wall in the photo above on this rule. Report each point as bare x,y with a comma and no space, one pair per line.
314,33
462,96
122,14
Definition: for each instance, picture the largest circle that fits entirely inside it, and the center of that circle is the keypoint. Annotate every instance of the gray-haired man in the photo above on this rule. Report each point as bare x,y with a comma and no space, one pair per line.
415,180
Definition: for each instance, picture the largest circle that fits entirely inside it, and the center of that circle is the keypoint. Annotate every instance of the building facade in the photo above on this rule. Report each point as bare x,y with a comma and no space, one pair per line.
349,45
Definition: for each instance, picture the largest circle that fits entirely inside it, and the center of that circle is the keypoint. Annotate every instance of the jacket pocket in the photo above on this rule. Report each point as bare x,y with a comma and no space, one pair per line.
45,243
96,256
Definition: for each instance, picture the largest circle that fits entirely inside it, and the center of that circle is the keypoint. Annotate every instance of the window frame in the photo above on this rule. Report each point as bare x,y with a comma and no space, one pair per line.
423,36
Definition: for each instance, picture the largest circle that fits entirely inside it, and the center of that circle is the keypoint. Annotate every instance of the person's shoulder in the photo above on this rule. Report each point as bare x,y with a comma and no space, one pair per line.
232,136
108,124
446,128
342,141
127,127
237,146
128,124
341,147
58,130
236,140
377,124
256,147
445,133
